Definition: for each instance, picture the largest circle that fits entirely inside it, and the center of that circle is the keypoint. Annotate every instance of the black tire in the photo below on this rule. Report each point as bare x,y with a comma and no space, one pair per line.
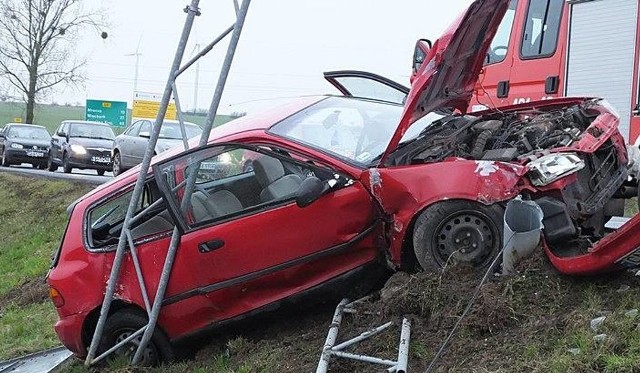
124,323
100,172
34,165
42,166
51,166
117,164
66,167
469,229
5,160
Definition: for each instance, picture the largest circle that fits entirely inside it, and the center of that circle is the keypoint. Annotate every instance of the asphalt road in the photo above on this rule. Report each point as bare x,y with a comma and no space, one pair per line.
85,176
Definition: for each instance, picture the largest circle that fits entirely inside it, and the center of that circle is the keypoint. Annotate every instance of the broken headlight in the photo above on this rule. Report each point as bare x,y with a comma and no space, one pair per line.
545,170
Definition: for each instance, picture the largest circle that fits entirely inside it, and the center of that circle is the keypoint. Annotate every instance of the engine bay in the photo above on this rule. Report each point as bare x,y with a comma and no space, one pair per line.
500,136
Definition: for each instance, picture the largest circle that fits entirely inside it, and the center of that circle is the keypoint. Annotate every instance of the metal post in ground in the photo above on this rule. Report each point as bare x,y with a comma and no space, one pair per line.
175,240
192,11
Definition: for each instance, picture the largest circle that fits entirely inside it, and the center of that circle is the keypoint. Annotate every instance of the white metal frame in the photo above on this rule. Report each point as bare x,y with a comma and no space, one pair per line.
332,349
153,305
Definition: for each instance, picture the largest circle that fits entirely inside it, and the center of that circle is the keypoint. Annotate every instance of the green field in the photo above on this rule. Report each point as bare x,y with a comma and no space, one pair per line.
50,116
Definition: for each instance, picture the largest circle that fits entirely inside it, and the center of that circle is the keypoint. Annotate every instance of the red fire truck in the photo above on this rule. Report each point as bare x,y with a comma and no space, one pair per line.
552,48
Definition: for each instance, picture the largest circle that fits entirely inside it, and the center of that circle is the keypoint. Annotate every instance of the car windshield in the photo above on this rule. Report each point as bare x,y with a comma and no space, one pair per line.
35,133
92,131
354,130
171,130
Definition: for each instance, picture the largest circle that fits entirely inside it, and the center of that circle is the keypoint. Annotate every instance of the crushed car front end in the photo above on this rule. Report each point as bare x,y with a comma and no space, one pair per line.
567,155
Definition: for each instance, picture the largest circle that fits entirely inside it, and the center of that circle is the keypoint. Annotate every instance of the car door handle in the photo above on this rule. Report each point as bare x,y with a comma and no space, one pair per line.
209,246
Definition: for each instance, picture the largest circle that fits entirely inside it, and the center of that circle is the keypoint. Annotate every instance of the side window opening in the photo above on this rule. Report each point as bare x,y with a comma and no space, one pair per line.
540,37
106,219
226,187
500,43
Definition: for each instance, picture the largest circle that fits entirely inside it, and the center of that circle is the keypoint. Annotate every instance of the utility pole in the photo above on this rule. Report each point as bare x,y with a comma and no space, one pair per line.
135,76
137,54
197,78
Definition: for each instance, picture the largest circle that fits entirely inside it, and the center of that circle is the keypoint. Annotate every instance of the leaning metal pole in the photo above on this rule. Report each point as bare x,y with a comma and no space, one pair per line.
204,138
192,11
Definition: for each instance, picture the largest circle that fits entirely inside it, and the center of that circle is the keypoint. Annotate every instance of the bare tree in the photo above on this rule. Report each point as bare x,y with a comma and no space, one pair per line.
37,45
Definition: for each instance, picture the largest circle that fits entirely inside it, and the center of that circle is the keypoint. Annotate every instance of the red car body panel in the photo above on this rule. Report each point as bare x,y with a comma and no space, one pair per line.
405,191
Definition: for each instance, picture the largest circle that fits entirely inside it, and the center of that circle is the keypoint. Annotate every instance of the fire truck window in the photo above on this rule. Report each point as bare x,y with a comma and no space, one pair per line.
540,35
500,44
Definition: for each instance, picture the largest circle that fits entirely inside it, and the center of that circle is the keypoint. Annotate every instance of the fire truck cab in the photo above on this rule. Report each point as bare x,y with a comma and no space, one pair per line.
553,48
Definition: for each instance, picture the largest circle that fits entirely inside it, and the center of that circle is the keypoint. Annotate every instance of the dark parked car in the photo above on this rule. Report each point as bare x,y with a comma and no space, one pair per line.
24,143
129,147
81,144
340,186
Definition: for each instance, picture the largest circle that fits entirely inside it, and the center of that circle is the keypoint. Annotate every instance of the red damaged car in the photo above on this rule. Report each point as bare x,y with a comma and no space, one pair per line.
381,177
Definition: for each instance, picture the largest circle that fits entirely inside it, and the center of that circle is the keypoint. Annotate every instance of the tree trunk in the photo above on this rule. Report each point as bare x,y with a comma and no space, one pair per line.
31,93
31,103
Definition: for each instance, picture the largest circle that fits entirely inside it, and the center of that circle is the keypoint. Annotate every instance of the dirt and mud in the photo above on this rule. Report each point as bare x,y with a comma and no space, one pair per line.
532,309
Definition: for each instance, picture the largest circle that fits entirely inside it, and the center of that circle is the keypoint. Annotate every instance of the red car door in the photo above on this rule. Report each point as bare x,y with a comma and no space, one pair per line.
249,243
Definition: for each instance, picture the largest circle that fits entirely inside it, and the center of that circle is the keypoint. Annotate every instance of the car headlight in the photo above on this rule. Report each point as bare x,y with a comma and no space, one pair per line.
545,170
16,146
78,149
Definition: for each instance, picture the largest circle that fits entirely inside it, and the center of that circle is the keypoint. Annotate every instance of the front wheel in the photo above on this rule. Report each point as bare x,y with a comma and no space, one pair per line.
100,172
66,167
458,232
121,325
117,164
5,159
50,165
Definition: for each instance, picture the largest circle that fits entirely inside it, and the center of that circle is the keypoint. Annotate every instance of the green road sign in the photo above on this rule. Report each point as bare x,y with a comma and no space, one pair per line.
111,112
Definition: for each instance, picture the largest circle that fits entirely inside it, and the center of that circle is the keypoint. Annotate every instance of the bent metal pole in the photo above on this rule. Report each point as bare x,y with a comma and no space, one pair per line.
204,137
192,11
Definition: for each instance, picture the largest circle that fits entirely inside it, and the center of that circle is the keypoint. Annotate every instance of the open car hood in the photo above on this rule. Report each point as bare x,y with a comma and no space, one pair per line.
448,76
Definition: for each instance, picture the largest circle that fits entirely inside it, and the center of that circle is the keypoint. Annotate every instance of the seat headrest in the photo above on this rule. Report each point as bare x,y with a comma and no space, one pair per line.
267,170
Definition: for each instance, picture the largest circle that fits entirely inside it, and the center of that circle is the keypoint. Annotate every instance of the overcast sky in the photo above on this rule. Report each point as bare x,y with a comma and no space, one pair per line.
284,48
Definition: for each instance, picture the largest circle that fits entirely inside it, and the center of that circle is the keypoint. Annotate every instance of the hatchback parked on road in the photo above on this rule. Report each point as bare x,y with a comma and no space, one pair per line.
83,145
342,186
24,143
129,147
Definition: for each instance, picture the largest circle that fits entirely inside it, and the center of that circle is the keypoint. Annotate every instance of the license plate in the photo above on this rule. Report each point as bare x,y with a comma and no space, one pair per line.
100,159
35,154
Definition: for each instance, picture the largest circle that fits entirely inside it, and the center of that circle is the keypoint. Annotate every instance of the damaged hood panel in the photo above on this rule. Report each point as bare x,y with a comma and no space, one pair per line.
450,71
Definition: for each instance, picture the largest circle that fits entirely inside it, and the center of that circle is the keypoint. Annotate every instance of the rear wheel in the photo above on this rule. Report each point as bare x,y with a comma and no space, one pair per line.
100,172
66,167
117,164
124,323
458,232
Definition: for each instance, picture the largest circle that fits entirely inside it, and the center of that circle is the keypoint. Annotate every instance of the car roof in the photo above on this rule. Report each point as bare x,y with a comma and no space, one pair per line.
24,125
264,119
72,121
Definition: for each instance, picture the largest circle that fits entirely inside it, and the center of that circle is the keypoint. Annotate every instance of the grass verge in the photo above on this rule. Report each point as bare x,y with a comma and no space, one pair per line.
32,220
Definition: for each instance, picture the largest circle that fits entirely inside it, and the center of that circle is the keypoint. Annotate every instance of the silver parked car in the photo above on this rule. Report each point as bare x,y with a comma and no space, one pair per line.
129,147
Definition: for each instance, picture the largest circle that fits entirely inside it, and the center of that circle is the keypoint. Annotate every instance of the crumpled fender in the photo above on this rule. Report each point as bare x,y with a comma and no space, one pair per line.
403,192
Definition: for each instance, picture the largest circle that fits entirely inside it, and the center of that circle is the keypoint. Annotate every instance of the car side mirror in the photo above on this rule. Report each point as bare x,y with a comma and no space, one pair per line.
146,135
310,190
420,52
2,136
62,134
